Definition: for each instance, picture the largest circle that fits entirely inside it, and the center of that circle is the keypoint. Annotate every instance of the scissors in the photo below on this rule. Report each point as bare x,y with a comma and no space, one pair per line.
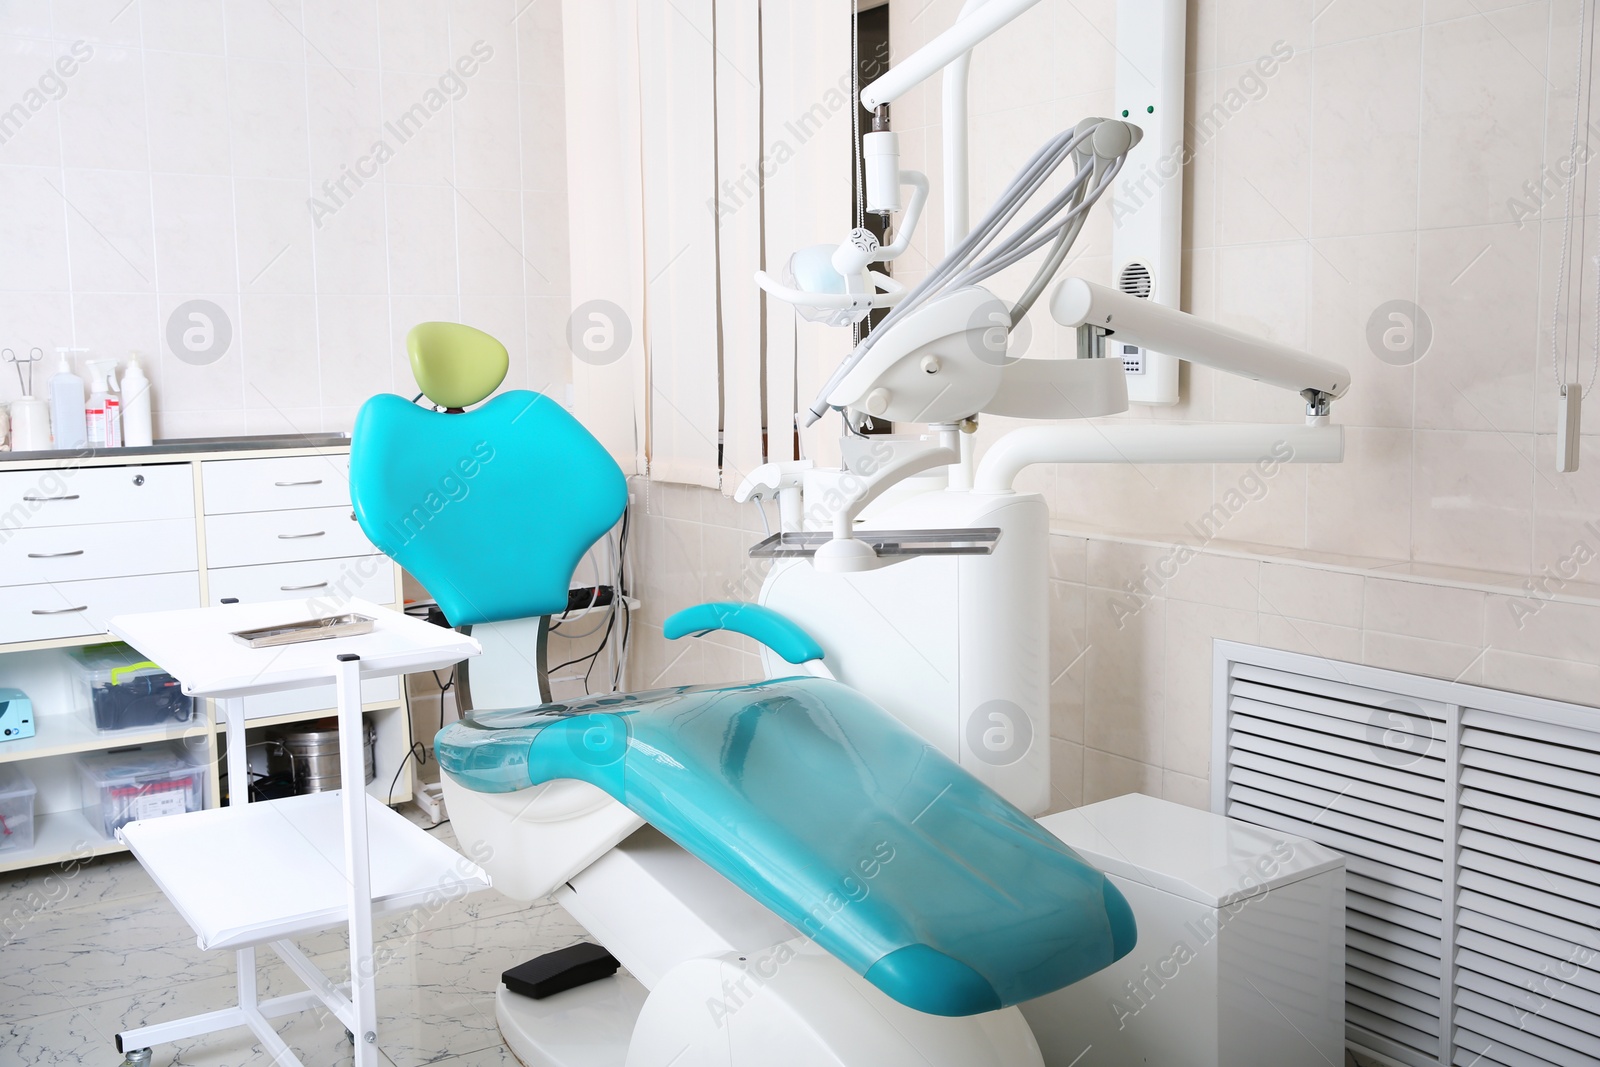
35,354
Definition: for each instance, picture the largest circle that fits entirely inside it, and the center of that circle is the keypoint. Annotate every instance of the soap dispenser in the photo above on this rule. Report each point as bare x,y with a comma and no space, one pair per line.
67,420
136,423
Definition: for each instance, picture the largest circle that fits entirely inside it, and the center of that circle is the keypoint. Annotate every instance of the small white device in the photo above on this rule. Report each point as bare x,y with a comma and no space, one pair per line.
1147,201
16,715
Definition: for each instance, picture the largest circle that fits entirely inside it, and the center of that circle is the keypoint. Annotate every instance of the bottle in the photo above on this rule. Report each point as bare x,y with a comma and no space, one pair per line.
113,407
67,405
102,406
136,425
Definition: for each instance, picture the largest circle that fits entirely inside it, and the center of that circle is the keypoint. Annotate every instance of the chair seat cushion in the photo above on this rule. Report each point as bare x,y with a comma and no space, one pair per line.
839,819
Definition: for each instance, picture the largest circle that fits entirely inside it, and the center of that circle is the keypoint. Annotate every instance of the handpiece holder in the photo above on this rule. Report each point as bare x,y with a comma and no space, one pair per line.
861,289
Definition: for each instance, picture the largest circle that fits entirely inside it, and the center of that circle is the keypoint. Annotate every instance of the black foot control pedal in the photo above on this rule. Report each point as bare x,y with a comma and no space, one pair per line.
558,971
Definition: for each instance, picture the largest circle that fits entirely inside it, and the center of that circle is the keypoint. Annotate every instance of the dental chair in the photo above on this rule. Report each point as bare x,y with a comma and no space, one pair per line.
788,874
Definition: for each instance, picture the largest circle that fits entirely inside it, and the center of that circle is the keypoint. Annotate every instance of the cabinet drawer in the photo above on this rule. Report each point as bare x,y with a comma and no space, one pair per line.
112,550
77,609
332,580
84,495
283,536
316,698
233,486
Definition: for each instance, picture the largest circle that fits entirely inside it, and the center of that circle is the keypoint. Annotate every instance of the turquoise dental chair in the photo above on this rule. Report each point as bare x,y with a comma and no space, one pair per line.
831,813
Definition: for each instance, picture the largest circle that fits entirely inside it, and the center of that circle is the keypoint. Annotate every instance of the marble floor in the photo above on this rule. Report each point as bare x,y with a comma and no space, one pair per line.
85,955
106,952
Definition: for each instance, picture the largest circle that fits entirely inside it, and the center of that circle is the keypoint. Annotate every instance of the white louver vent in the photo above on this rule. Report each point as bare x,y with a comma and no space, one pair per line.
1470,820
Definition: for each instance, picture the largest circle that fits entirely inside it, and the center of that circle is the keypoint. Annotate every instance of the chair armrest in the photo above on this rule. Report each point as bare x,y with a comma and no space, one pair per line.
754,621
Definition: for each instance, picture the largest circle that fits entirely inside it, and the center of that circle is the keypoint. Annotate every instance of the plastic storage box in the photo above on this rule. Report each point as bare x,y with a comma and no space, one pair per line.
122,690
16,810
139,783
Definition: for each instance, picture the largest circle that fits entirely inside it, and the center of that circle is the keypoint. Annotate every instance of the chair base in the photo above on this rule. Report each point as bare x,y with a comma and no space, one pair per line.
589,1026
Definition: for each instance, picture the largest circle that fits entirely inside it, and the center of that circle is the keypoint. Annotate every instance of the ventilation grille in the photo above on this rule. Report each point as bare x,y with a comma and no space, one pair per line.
1136,281
1470,822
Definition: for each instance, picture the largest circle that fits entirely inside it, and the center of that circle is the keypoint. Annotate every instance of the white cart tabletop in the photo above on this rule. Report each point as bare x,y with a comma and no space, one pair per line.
197,646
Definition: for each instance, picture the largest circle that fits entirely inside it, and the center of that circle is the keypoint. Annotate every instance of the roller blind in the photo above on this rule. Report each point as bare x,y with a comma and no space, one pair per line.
706,139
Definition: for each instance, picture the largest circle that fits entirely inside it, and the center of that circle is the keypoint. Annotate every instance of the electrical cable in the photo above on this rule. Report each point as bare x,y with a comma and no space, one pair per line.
1558,358
417,750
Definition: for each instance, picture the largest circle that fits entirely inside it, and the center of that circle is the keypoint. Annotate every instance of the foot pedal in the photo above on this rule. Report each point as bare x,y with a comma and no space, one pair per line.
558,971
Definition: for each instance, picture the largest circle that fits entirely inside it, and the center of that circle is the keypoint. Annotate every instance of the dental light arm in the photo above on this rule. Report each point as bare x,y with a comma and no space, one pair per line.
1083,306
1121,442
971,30
1077,303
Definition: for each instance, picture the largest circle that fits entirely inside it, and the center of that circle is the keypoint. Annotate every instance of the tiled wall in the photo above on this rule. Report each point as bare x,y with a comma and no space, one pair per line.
181,158
1375,165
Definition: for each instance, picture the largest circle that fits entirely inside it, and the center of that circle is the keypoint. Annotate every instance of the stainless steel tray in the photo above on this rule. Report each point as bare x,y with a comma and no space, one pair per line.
294,633
973,541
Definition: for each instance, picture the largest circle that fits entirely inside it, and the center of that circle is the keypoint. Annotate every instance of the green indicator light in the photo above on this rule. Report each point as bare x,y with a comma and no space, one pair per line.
1124,112
1151,109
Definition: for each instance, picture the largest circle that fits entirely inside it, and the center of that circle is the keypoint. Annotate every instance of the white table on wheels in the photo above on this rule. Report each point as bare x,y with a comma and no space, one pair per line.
260,874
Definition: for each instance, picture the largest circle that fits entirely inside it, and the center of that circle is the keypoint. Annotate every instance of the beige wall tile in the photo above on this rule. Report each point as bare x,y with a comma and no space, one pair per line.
1191,631
1476,140
1353,19
1226,581
1351,278
1069,660
1106,776
1364,163
1186,789
1069,558
1473,502
1126,661
1542,677
1311,593
1066,775
1553,630
1414,655
1414,609
1264,151
1363,505
1479,287
1329,641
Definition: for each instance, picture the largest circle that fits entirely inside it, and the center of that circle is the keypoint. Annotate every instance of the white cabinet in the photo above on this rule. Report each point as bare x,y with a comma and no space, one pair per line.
85,540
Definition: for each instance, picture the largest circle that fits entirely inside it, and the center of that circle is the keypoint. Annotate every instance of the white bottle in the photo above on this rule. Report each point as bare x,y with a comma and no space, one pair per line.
67,405
104,424
137,431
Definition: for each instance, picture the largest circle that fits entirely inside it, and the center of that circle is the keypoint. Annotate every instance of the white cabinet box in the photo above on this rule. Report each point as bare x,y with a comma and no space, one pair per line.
85,538
1240,958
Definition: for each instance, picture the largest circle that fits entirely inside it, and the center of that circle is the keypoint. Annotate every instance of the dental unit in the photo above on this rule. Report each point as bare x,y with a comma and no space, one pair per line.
838,864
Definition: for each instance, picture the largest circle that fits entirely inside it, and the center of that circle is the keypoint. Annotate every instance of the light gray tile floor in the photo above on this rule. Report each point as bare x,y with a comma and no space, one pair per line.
86,954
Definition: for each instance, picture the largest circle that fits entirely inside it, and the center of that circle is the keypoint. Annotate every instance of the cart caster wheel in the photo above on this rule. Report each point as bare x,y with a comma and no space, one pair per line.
139,1057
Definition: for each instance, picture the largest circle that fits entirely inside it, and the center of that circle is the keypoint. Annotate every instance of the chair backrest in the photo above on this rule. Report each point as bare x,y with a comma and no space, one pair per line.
490,509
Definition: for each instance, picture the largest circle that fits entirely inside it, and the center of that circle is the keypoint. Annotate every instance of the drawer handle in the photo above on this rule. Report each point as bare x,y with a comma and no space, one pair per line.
55,555
291,485
61,611
301,537
48,499
301,588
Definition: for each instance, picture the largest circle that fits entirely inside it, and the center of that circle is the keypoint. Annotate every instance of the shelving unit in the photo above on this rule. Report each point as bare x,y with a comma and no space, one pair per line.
270,485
